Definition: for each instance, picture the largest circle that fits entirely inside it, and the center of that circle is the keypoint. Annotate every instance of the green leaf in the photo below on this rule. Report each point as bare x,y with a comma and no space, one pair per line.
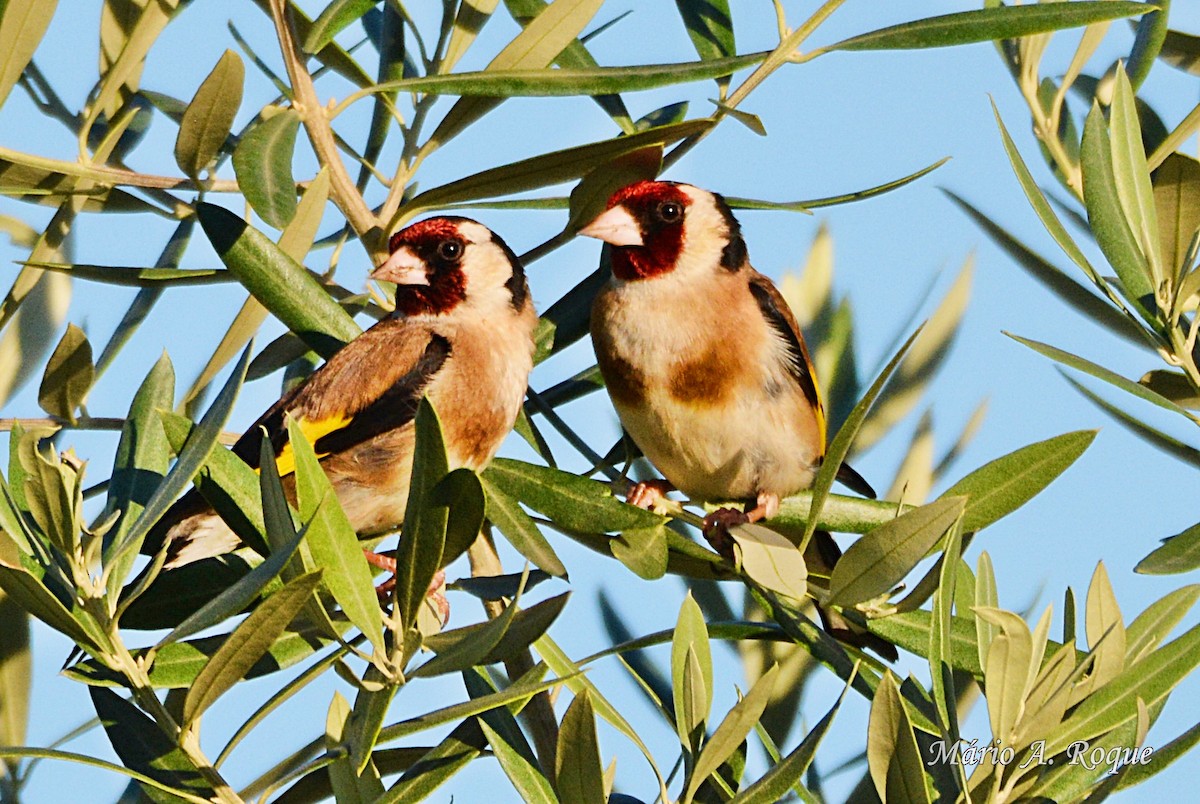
576,56
226,483
579,774
878,561
551,168
69,375
208,119
131,276
1115,704
1111,377
489,85
522,532
283,286
526,627
774,785
710,27
235,598
991,24
1107,216
143,456
546,36
463,744
178,664
1105,629
770,560
840,446
28,592
940,669
16,672
262,162
1147,43
245,646
1068,290
1150,627
575,502
332,540
807,205
1000,487
526,778
1178,553
347,785
462,492
53,182
1176,186
645,551
1007,669
143,747
23,23
419,555
192,457
894,761
732,730
335,18
332,56
1131,173
458,655
691,674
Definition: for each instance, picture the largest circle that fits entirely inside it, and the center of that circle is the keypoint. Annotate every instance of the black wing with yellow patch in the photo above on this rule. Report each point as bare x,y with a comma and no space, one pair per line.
336,432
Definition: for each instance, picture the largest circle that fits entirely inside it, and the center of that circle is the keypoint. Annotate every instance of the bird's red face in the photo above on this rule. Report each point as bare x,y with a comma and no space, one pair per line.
426,266
645,225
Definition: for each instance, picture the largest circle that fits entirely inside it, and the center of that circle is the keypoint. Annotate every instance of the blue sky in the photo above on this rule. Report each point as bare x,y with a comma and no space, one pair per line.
842,122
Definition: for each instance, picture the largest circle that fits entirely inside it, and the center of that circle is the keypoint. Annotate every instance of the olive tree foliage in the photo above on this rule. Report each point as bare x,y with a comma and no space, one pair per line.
283,198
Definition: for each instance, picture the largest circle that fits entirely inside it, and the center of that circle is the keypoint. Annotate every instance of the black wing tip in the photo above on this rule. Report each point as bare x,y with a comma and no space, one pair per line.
855,482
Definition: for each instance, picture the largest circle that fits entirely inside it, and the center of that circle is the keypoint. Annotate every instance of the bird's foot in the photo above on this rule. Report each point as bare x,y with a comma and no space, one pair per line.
717,524
716,529
437,587
648,494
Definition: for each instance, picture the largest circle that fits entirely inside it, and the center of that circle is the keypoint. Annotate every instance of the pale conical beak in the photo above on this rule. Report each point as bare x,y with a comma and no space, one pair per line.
403,268
616,226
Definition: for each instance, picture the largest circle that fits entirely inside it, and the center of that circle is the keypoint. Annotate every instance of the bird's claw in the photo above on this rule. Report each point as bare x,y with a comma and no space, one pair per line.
648,494
437,587
716,529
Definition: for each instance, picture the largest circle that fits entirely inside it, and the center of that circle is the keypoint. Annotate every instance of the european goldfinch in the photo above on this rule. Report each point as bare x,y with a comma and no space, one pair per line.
462,335
704,361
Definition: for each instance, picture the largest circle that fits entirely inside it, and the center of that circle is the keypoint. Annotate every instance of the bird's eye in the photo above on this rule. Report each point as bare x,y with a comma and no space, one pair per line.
450,250
670,212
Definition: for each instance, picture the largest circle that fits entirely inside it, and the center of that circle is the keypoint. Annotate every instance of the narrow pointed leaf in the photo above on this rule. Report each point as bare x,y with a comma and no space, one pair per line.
579,776
543,38
263,164
192,457
881,559
68,376
420,552
732,730
143,747
1178,553
771,560
283,286
143,456
23,23
1107,217
336,17
1000,487
208,119
990,24
248,642
505,512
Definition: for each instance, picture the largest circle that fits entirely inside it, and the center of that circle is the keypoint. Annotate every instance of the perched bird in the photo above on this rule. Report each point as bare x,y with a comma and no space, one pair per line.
462,335
704,362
